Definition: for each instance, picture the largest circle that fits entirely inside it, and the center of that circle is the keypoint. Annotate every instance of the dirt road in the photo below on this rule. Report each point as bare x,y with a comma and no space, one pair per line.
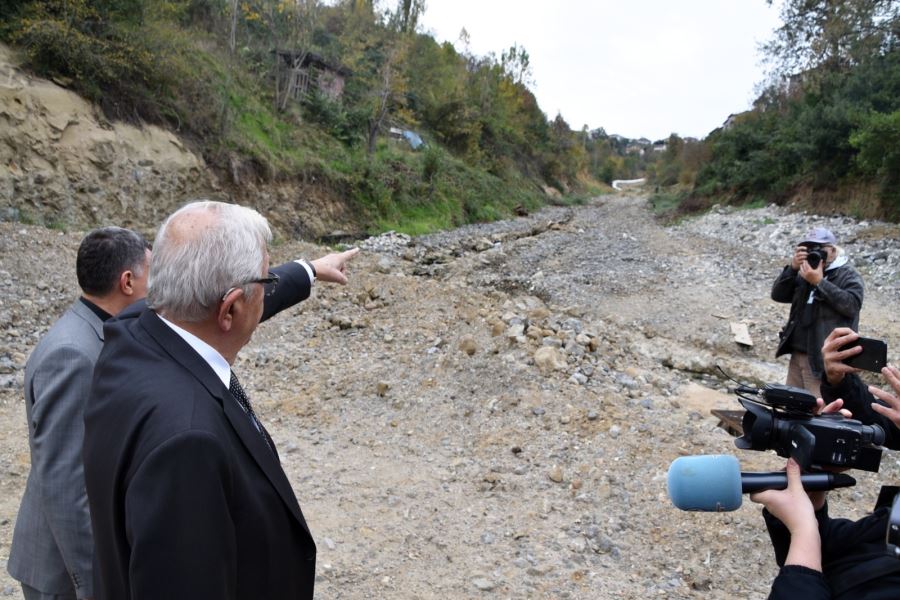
490,412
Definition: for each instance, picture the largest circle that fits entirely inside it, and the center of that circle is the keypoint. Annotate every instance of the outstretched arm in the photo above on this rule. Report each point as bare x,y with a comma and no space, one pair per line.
295,282
333,267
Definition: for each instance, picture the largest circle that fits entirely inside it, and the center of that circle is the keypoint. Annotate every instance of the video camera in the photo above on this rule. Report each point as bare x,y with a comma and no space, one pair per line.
782,418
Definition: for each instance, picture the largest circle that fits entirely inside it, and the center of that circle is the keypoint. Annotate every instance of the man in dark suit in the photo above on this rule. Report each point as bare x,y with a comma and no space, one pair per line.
52,549
185,487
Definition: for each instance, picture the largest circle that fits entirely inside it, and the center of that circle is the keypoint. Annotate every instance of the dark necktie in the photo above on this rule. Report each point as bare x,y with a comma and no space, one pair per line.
241,396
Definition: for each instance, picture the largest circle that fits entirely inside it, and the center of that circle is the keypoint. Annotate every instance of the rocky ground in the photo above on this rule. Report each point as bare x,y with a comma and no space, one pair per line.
490,412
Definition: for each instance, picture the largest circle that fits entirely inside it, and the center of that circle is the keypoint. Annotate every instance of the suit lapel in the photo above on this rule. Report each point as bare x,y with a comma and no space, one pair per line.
264,457
184,355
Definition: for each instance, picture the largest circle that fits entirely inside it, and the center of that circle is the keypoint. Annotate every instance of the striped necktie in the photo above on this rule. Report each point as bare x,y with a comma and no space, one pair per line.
241,396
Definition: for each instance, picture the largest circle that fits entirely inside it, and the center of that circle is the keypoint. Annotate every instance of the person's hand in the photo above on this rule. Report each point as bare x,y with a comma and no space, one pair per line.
836,406
333,267
799,257
794,508
791,506
833,357
812,276
892,410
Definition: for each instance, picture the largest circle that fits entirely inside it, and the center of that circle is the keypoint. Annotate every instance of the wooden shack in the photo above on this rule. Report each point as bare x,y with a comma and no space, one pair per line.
298,73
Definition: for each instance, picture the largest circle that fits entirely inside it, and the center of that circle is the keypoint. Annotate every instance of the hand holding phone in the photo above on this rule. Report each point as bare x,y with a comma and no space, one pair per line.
872,358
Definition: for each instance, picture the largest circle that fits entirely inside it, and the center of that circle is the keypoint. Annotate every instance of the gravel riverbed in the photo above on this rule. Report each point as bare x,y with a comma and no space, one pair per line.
490,412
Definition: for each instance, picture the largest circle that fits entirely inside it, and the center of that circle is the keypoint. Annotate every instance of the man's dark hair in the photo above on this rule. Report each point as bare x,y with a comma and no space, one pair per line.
104,254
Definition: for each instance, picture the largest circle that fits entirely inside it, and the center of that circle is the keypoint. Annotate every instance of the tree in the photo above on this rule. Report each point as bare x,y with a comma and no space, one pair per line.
516,63
830,35
878,142
387,92
406,17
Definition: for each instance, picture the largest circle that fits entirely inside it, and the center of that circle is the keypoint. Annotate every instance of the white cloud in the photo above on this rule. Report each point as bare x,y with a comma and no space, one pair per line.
641,68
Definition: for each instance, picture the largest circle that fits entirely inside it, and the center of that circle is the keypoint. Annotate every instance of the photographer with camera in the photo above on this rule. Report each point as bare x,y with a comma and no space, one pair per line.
867,403
824,292
821,557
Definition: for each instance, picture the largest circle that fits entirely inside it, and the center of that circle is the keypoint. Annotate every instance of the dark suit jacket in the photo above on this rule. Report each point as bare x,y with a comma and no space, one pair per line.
186,498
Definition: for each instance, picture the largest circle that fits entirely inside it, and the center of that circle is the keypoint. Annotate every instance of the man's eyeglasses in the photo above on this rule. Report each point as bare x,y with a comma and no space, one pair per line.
268,284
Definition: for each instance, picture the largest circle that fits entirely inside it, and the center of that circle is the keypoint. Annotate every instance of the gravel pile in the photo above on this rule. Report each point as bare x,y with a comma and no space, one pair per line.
490,412
873,246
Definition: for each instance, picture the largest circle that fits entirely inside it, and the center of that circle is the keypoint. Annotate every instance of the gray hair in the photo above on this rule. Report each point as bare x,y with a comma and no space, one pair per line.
193,266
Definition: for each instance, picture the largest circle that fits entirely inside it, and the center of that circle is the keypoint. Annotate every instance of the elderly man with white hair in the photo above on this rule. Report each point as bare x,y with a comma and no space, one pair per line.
187,495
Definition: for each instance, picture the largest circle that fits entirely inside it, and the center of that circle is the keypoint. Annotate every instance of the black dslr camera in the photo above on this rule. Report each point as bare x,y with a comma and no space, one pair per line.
815,254
782,418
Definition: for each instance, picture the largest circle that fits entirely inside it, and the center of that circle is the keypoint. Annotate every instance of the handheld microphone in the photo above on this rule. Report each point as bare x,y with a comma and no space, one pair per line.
715,483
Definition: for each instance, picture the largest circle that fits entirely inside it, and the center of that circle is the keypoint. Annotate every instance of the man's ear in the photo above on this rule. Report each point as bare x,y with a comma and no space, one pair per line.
126,283
227,309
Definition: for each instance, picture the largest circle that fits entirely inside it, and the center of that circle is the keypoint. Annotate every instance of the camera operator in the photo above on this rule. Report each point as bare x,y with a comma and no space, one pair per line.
821,557
867,403
824,292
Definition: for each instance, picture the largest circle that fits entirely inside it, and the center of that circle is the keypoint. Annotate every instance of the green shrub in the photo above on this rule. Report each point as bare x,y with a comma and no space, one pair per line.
878,142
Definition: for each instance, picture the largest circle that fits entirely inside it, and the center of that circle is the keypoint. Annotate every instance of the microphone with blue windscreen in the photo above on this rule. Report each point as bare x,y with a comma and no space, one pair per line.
714,483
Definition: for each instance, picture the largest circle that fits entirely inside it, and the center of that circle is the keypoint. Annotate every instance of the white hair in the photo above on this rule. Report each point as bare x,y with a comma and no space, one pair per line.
193,267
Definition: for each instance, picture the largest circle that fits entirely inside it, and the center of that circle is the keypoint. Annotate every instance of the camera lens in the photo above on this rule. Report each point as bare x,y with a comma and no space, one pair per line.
872,434
814,258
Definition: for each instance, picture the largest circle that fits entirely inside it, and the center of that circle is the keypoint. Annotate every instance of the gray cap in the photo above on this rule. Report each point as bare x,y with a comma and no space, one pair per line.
820,235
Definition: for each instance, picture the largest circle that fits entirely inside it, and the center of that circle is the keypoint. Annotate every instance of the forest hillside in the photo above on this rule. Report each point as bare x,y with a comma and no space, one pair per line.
824,132
299,103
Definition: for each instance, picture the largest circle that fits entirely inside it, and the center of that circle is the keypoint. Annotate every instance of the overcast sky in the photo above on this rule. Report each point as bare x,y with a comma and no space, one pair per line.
642,68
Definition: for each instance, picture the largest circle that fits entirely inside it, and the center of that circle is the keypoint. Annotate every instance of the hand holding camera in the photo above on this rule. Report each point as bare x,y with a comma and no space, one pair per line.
799,257
810,260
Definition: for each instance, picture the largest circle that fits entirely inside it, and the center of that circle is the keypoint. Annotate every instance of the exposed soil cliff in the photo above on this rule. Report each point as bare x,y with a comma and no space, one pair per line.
62,164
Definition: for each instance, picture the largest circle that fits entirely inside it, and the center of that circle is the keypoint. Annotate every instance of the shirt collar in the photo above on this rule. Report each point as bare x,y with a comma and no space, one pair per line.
212,357
101,314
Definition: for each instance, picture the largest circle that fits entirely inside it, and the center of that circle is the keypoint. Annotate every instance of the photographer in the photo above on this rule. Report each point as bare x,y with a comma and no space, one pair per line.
867,403
821,557
824,292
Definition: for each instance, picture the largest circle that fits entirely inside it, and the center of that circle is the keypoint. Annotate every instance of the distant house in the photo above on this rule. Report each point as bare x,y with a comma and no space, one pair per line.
634,148
660,145
299,72
638,146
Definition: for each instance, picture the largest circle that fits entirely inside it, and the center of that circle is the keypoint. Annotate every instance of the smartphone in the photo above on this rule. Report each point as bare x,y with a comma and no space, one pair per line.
872,358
